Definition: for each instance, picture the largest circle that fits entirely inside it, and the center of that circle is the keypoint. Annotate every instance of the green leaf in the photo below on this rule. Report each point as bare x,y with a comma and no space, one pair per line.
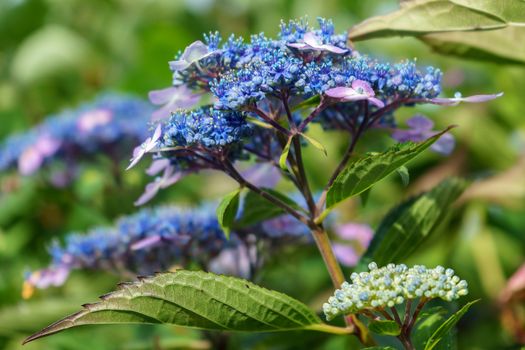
380,348
257,209
284,155
427,323
443,330
419,17
312,101
227,210
404,174
498,46
199,300
364,197
406,226
385,327
315,143
362,174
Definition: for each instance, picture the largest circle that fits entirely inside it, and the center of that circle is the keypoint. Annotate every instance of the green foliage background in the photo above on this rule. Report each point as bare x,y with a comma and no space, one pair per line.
57,53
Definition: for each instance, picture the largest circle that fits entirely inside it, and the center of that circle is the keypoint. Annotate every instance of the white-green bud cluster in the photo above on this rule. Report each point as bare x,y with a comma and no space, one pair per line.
391,285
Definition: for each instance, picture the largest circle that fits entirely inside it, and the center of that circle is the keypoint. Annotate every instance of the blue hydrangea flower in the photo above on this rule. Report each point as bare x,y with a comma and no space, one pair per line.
156,239
264,81
106,125
206,127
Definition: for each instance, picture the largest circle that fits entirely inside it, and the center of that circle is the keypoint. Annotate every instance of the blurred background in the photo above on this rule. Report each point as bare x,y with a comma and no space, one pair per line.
55,54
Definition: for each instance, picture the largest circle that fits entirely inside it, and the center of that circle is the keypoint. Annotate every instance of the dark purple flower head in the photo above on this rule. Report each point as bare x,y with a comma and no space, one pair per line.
420,129
311,42
360,90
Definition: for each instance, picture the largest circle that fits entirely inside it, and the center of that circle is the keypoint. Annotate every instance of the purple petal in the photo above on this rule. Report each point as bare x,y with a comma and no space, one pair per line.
30,161
146,242
157,166
195,51
173,179
151,190
299,46
151,143
345,254
420,123
138,153
444,145
53,276
232,261
92,119
355,232
377,102
160,97
262,175
333,49
363,87
408,135
312,40
47,145
156,133
173,98
481,98
162,113
179,65
340,92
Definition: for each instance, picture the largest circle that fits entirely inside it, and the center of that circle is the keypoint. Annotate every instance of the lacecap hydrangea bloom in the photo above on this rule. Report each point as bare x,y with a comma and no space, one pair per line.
109,125
260,89
156,239
391,285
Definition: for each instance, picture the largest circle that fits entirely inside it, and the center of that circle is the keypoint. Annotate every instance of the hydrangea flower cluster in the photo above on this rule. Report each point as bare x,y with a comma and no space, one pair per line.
261,88
108,125
391,285
155,239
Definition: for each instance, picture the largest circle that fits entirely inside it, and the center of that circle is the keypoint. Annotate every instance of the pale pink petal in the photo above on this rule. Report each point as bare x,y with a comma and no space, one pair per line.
47,145
363,87
345,254
92,119
340,92
355,232
377,102
146,242
30,161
